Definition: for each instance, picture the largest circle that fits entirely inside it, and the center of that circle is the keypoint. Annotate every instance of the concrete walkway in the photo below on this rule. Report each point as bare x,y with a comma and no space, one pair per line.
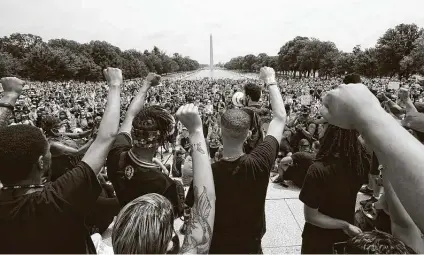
284,220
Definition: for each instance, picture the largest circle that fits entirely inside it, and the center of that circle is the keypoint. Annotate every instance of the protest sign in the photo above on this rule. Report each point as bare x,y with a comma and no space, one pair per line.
393,85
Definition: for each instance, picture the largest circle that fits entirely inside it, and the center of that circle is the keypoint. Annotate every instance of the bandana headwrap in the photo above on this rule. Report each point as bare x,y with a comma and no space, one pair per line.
145,139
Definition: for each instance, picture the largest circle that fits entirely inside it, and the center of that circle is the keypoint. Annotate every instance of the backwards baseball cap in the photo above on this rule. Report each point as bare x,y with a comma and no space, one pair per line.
414,121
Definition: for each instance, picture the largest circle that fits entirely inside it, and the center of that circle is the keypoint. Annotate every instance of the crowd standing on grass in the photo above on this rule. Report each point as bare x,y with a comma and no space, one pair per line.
88,159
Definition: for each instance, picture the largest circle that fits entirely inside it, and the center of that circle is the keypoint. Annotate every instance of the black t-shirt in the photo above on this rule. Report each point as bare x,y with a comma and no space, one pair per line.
285,146
240,188
331,189
301,163
132,180
256,113
50,220
185,143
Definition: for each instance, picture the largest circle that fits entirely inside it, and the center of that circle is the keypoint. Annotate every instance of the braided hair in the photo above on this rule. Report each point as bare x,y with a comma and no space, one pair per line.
342,144
153,120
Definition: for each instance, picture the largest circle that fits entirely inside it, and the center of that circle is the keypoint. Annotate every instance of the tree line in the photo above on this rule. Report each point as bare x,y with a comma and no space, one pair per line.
28,56
399,51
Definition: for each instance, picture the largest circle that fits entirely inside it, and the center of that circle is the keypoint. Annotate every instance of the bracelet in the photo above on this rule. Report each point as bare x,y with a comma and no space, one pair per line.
7,105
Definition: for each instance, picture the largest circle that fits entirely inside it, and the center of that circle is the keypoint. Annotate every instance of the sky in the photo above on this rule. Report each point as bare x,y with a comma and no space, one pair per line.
239,27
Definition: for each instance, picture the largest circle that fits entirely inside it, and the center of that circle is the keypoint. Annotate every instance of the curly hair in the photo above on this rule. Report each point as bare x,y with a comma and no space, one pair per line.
253,91
20,148
376,242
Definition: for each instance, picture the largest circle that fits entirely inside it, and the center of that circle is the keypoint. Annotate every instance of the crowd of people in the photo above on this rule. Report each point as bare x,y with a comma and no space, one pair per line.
83,164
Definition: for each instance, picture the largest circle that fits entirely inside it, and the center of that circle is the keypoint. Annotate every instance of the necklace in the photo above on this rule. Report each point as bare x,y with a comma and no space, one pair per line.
232,158
23,186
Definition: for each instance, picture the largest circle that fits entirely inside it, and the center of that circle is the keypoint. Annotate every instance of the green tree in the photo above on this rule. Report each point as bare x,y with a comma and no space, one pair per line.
105,54
394,46
133,65
9,66
248,62
18,45
289,53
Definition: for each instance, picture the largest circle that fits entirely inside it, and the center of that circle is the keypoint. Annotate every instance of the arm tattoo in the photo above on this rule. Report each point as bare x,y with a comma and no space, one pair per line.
199,232
198,147
4,116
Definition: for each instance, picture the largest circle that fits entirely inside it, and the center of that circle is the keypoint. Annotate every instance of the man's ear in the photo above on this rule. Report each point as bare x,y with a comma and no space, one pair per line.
40,162
249,134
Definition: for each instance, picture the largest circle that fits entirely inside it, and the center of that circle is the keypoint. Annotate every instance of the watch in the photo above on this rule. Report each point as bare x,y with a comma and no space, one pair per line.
7,105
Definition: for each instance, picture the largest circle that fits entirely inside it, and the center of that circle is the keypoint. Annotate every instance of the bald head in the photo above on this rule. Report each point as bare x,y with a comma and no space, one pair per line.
235,124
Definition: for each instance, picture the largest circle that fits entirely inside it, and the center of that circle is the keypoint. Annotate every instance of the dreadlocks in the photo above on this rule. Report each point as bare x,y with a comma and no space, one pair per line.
153,124
343,144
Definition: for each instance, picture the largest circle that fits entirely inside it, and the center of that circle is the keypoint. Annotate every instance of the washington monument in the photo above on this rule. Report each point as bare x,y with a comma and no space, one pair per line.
211,60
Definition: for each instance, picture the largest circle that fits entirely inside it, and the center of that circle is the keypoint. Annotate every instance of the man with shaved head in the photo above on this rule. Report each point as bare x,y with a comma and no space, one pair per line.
241,180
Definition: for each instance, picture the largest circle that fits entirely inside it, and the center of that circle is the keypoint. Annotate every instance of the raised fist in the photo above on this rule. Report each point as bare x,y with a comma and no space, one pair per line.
382,96
352,230
153,79
12,86
267,74
404,94
347,105
113,76
189,116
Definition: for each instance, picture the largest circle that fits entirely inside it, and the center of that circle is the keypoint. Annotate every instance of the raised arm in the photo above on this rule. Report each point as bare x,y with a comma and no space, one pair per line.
62,149
138,102
355,107
404,97
276,126
78,135
403,227
161,165
200,227
12,89
96,154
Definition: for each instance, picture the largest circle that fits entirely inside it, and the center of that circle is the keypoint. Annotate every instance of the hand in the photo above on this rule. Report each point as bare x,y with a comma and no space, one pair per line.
12,86
352,230
348,106
153,79
190,118
267,74
382,96
299,127
113,76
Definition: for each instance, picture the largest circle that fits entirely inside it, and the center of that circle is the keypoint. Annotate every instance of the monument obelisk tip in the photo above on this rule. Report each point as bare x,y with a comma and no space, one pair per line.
211,55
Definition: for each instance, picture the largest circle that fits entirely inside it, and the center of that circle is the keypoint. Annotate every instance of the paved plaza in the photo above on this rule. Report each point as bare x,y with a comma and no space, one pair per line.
284,210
